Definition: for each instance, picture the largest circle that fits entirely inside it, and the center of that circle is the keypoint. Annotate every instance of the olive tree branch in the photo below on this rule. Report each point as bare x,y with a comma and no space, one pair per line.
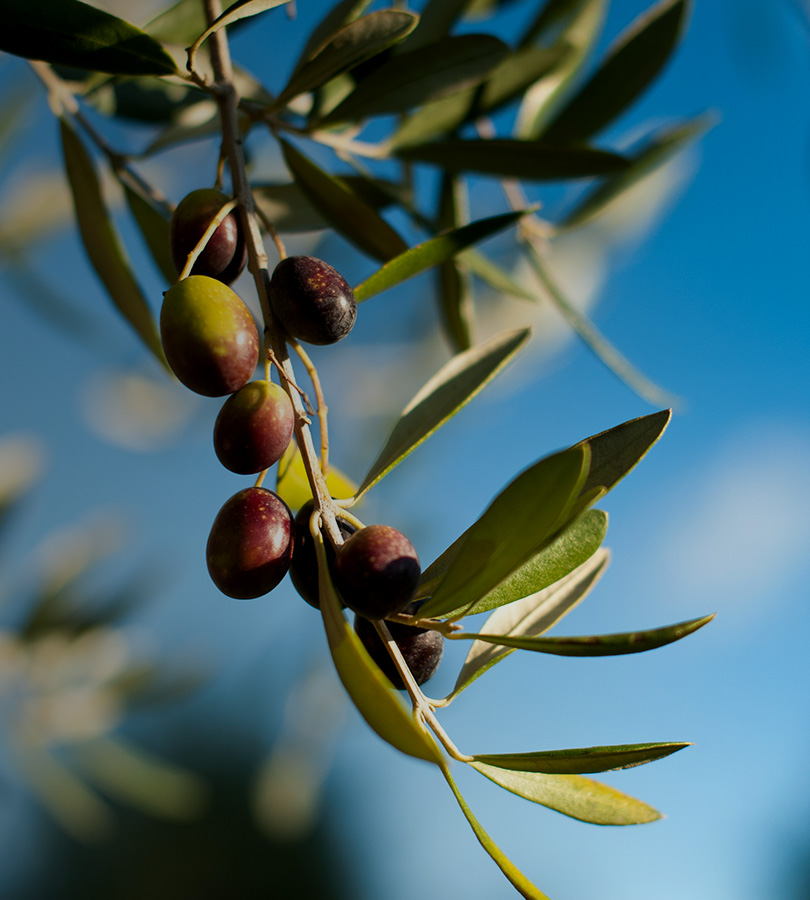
226,96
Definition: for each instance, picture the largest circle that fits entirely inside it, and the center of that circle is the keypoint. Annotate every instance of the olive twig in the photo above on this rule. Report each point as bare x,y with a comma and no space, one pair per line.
320,400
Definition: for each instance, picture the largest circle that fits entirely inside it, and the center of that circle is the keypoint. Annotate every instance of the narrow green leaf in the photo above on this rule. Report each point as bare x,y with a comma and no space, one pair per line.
369,689
354,43
518,880
101,241
154,228
595,645
581,761
628,69
655,151
527,160
572,795
513,76
526,513
618,450
343,208
242,9
179,24
494,275
454,284
287,207
534,614
71,33
410,79
436,22
339,15
580,540
434,118
454,385
433,252
573,26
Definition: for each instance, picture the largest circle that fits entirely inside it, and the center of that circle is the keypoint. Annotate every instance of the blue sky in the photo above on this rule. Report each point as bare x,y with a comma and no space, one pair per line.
711,302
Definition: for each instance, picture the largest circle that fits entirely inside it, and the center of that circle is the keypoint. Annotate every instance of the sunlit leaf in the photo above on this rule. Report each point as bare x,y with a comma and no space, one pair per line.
433,252
434,118
101,241
154,228
527,160
654,152
534,614
575,796
292,484
582,760
514,75
521,883
409,79
514,527
595,645
369,689
630,66
351,45
580,540
345,210
574,27
445,394
71,33
618,450
179,24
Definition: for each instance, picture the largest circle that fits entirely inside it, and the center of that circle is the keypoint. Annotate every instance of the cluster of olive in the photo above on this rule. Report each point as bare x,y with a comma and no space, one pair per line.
212,345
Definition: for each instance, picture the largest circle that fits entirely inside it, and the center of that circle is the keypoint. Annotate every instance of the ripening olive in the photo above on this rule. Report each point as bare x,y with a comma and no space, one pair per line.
209,336
377,571
250,543
254,427
304,567
312,300
225,254
421,648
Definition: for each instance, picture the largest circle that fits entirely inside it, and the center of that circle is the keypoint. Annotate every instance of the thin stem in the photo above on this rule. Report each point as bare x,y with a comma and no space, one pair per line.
218,219
320,400
227,100
421,707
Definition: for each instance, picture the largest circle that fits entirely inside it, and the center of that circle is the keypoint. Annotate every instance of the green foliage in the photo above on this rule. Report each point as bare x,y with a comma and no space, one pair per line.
376,101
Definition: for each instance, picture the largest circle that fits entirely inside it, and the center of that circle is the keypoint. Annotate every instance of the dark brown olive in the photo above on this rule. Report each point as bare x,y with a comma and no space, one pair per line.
225,254
250,544
421,648
304,567
254,428
312,300
377,571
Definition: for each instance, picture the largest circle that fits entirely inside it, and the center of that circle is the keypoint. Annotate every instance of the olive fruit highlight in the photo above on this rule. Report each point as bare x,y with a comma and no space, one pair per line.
304,567
377,571
250,544
225,254
254,428
312,300
209,336
421,648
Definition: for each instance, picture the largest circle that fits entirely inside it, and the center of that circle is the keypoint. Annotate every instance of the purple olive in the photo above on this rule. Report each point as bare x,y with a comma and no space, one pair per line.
225,254
304,568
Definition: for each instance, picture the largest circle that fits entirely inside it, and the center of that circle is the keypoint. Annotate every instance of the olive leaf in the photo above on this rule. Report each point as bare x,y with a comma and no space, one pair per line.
582,760
71,33
154,228
527,160
242,9
345,210
101,241
594,645
630,66
525,515
454,283
433,252
572,795
518,880
534,614
453,386
494,275
368,688
340,14
409,79
352,44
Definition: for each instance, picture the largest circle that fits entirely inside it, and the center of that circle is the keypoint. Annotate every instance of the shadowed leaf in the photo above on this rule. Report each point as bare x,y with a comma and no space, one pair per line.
71,33
581,761
154,228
